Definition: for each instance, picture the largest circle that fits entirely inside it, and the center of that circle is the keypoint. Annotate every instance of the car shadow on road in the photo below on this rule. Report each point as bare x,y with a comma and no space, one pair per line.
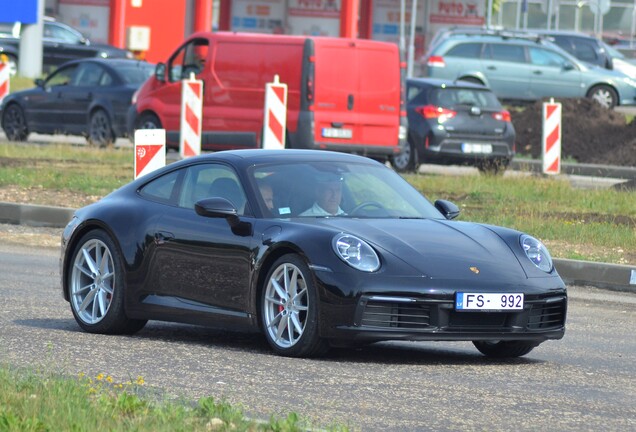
405,353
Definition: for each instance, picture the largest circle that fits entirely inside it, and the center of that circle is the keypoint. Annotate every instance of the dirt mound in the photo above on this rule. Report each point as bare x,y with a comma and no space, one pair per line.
590,133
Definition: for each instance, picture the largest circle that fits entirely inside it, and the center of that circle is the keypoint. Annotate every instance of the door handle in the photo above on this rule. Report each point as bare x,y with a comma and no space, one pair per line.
161,237
350,102
537,72
491,68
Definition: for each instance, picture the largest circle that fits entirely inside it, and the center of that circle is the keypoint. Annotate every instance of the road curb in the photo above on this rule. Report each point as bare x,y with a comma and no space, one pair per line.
600,275
590,170
35,215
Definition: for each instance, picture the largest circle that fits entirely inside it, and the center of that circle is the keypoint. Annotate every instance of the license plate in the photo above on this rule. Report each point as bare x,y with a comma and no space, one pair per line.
477,148
337,133
488,302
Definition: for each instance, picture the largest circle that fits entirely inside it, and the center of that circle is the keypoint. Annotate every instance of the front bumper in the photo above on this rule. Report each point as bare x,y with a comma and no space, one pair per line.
409,318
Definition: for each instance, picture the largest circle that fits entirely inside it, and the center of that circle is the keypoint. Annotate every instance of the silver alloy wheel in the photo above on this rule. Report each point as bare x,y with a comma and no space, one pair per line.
604,97
285,306
92,281
99,129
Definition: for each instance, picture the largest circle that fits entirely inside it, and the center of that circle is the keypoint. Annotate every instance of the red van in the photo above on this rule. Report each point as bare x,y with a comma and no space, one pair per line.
343,94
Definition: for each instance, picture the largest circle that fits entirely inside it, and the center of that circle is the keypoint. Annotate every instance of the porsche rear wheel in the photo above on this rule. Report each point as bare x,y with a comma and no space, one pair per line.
504,349
95,286
289,309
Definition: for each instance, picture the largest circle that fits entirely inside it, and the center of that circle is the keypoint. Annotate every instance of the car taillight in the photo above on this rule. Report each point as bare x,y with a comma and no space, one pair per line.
435,112
502,116
436,61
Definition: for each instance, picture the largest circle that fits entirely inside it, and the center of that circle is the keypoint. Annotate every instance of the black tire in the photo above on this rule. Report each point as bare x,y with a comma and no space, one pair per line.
148,121
493,167
291,327
406,161
100,130
505,349
14,123
95,285
605,95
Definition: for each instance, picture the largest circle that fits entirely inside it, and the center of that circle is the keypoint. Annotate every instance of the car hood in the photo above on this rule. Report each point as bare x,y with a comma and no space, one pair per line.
437,247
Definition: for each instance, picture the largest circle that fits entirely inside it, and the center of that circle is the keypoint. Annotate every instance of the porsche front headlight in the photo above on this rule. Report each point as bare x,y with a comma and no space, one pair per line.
537,253
356,252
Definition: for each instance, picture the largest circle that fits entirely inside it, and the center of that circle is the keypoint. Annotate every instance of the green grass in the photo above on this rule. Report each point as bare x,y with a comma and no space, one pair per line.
20,83
34,401
86,170
595,225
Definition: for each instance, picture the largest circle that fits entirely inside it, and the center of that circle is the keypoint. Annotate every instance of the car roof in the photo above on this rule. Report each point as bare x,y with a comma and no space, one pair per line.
245,157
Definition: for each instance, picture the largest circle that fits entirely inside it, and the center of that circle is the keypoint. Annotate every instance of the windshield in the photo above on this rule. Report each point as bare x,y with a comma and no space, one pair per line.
326,189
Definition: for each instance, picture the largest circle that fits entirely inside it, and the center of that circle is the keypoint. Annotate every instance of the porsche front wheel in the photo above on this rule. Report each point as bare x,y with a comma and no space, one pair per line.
95,285
504,349
289,309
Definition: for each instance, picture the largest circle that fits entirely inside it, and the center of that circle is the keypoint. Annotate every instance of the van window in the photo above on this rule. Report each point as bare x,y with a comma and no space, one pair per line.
190,58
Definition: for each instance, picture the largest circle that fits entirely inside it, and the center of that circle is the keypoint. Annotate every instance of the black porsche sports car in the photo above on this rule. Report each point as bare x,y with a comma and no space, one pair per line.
312,248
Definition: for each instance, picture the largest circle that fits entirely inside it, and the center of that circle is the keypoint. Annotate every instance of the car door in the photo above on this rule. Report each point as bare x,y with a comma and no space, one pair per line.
200,260
505,66
80,93
45,110
553,75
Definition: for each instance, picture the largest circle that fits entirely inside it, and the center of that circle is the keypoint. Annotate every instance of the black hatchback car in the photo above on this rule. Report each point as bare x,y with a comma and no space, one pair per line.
456,122
87,97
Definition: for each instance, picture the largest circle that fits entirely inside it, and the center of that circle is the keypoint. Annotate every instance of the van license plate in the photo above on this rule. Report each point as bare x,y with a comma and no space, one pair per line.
337,133
477,148
488,302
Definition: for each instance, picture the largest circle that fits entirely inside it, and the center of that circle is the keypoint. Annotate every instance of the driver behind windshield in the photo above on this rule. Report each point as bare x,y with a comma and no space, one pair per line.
328,196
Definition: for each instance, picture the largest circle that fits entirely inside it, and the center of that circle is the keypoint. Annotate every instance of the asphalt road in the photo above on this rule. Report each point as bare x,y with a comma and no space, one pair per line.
587,381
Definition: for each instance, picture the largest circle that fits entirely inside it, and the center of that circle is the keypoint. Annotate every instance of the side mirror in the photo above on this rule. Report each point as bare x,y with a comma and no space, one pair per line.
447,208
39,82
568,66
160,72
222,208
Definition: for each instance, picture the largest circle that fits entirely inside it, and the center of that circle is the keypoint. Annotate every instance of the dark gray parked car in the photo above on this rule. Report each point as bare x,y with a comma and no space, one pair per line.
456,123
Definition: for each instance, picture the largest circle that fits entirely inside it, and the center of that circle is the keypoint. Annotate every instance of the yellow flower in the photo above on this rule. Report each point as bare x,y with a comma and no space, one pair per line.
100,377
109,379
140,380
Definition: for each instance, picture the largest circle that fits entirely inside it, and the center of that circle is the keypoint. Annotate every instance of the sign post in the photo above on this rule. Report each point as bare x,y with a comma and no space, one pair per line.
191,117
275,115
150,150
5,80
551,139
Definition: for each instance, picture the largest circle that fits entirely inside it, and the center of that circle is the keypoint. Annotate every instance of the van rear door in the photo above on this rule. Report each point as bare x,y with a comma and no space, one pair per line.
356,96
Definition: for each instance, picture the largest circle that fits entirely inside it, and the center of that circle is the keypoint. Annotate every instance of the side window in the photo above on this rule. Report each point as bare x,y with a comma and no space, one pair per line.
61,77
467,50
88,74
586,52
190,58
59,33
162,188
212,180
542,57
507,52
